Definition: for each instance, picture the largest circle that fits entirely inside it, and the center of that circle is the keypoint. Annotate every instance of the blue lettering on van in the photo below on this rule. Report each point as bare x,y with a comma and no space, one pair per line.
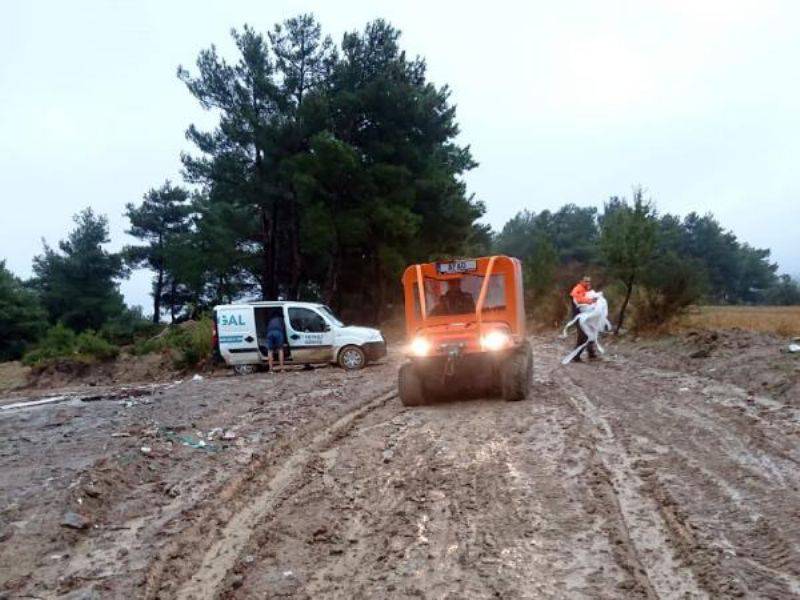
230,339
231,320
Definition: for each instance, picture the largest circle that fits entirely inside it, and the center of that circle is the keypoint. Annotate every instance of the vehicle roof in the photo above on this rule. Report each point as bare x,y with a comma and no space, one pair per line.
429,268
270,303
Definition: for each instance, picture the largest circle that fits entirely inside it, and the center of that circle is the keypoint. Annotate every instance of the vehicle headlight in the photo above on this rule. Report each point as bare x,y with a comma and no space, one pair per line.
495,340
419,346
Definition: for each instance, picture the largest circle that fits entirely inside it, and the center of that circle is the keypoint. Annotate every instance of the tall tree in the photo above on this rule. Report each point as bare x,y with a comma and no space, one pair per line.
303,57
627,240
338,167
785,292
737,272
78,283
755,274
162,216
402,130
706,240
571,232
532,238
519,234
304,60
238,161
219,269
574,234
22,319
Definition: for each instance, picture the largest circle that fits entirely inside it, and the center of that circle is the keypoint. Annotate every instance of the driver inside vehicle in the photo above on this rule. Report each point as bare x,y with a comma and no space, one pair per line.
455,301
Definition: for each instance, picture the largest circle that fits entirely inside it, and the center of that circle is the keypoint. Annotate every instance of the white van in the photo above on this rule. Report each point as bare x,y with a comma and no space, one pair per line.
313,334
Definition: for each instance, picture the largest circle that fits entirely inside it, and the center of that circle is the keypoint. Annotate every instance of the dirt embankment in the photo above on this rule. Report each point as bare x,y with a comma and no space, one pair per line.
639,476
757,362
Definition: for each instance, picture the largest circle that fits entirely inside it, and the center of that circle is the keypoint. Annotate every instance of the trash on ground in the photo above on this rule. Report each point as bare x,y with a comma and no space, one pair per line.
197,377
794,348
29,403
197,442
146,449
74,520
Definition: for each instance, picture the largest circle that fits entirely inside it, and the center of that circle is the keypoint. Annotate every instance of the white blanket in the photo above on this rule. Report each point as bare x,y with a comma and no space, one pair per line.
593,320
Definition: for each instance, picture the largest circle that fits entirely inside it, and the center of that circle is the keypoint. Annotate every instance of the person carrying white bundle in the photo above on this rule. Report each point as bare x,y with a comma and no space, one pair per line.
590,313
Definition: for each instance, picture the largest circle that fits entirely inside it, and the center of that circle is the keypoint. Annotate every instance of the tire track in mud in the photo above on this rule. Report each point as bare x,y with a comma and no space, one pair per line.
202,574
640,536
719,466
477,499
569,494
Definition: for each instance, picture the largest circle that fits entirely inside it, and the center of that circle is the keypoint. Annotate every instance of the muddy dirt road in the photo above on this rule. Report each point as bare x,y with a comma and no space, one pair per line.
616,479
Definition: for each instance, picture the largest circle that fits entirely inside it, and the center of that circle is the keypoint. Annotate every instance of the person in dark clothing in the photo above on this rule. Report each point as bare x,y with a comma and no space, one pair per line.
579,298
275,340
454,301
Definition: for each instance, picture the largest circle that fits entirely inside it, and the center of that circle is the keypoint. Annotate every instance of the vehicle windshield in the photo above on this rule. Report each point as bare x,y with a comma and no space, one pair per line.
332,317
460,296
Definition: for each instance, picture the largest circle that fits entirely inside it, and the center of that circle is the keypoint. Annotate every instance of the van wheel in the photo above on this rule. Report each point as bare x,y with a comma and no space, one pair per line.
352,358
244,369
409,383
516,374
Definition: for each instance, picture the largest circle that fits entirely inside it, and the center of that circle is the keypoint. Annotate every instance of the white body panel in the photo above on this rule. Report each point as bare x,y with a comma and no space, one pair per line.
308,339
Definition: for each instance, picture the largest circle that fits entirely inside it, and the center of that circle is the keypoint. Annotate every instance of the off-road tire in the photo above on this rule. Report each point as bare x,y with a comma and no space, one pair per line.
352,358
409,383
516,374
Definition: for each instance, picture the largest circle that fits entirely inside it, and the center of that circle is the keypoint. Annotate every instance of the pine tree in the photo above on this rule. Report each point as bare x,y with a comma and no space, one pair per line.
78,283
627,240
162,216
22,319
239,160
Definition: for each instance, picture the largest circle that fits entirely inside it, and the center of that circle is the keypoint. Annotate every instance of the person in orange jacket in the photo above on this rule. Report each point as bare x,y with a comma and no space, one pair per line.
579,298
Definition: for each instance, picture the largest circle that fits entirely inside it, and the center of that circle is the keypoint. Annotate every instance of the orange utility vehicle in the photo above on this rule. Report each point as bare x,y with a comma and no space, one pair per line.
465,322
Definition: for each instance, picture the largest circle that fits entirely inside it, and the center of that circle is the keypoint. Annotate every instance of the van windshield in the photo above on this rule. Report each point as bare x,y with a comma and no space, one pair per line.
332,317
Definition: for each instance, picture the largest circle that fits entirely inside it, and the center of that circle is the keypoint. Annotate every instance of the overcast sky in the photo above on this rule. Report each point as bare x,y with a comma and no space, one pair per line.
698,101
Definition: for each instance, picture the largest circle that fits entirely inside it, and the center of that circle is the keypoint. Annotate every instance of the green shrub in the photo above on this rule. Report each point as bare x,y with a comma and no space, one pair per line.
188,344
148,346
129,327
89,344
192,343
202,336
670,285
60,343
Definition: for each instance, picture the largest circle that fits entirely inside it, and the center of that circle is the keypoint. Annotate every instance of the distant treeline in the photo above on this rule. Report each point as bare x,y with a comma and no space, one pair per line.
668,261
332,167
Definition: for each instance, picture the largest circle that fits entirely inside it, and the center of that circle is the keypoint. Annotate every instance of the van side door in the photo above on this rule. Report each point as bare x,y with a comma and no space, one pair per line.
236,329
309,335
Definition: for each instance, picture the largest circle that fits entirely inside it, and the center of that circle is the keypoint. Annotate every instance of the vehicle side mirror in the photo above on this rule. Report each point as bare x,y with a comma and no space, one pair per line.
326,326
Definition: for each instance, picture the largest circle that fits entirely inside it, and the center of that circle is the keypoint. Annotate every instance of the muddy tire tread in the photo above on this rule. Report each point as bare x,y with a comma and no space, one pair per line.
410,386
516,374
